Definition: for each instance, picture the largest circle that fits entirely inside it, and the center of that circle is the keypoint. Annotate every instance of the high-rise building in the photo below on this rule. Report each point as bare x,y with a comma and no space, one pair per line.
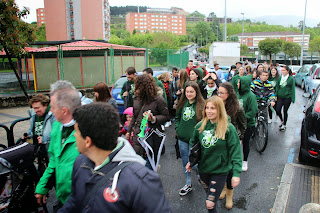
40,17
156,20
77,19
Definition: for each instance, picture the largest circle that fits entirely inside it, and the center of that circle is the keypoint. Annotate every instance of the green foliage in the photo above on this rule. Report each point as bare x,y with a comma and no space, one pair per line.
269,46
160,55
115,11
234,38
15,33
196,14
204,50
40,32
314,45
244,49
202,31
292,49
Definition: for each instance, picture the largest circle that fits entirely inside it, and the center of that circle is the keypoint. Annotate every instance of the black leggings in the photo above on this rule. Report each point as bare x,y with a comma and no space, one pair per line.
206,180
245,142
285,102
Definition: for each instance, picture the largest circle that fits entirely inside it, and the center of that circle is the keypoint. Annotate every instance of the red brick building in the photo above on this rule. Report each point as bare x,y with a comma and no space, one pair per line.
156,22
40,17
252,39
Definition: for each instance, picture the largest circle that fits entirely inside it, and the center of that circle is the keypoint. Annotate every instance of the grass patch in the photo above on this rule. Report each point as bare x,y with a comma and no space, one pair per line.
154,64
1,71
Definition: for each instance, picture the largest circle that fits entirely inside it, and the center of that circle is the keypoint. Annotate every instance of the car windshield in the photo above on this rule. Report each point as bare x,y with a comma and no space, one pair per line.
120,82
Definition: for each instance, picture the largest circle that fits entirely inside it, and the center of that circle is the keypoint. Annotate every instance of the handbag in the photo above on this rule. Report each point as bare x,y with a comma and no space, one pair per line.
195,154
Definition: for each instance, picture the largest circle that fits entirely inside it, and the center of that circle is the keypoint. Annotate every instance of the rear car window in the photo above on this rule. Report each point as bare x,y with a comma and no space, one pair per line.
119,83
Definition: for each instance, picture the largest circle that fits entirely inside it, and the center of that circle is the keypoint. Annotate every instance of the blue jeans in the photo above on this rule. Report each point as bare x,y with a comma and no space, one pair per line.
184,148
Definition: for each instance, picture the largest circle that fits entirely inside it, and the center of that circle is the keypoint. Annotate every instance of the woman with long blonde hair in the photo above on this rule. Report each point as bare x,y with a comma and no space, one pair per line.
220,150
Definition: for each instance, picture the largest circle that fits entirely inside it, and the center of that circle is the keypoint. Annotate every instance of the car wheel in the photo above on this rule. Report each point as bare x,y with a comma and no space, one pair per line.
302,85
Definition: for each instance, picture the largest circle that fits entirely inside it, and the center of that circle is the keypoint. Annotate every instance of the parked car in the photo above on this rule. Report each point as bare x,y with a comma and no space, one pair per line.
313,79
225,70
310,129
117,87
294,69
301,75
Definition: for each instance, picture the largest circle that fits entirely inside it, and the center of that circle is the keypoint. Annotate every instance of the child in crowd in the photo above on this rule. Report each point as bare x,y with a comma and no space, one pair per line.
129,114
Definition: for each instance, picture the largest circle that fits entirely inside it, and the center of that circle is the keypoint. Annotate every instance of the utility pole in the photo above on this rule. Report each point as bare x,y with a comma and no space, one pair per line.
304,26
225,20
242,32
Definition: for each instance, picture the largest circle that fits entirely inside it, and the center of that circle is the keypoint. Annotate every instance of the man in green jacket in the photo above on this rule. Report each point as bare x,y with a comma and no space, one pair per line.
249,103
62,148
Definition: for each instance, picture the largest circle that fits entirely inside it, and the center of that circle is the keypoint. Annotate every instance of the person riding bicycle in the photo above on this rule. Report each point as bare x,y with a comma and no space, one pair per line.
264,91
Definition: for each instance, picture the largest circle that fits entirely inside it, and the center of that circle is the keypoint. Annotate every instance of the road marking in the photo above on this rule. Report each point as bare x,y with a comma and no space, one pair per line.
297,132
291,156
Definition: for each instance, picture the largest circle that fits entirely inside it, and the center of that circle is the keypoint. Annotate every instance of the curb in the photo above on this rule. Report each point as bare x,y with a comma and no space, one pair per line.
281,202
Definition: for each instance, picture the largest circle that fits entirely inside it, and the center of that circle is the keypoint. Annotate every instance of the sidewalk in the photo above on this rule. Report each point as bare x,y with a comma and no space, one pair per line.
299,185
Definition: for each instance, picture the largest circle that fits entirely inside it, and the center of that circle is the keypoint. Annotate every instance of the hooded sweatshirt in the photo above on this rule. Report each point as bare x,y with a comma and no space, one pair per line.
133,190
248,100
218,156
186,119
286,89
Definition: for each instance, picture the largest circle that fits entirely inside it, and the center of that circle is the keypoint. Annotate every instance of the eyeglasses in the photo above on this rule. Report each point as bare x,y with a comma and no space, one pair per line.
222,93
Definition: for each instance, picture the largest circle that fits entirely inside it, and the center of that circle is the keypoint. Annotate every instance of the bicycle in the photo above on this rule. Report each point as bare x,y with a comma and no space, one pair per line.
260,135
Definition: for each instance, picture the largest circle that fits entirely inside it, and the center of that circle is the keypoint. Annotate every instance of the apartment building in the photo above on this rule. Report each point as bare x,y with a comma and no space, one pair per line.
252,39
77,19
156,21
40,17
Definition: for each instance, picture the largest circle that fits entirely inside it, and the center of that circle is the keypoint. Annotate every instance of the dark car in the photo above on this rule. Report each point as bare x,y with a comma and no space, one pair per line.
117,87
310,129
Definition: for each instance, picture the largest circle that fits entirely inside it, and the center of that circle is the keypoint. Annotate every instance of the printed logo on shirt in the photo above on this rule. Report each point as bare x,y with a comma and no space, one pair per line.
188,113
208,139
109,196
132,89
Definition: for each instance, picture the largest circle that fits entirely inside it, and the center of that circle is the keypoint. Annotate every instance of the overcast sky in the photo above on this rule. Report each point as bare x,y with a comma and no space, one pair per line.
252,9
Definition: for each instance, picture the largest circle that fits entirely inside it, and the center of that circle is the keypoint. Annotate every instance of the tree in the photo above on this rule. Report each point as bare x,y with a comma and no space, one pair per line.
244,49
202,31
196,14
269,46
234,38
314,45
292,49
15,34
160,53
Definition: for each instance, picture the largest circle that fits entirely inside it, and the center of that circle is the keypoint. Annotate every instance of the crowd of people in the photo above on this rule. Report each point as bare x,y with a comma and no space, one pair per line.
213,113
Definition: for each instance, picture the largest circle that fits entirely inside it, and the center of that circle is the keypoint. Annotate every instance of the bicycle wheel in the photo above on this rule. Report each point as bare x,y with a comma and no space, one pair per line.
261,136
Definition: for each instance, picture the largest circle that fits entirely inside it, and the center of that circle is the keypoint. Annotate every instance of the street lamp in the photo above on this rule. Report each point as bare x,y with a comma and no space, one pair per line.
217,32
206,38
304,25
242,31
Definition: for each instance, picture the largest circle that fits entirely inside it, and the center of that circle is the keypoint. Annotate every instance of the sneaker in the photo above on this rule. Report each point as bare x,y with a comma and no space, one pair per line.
167,124
269,121
282,128
244,166
185,190
162,127
281,124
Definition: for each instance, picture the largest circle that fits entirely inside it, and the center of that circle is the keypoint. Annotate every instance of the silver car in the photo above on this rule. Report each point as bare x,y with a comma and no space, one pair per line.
313,79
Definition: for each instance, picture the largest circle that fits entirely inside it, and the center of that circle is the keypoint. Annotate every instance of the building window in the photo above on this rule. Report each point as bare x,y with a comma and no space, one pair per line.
135,15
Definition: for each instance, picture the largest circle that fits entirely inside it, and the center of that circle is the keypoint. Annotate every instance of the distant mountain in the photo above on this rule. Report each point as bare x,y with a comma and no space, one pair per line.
282,20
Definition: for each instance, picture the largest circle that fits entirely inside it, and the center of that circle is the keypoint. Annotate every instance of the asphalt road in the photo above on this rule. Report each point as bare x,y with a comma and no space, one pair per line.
259,185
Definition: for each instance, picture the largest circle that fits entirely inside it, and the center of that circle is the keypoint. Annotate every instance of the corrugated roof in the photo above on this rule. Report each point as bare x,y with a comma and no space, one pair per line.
269,34
2,52
85,45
